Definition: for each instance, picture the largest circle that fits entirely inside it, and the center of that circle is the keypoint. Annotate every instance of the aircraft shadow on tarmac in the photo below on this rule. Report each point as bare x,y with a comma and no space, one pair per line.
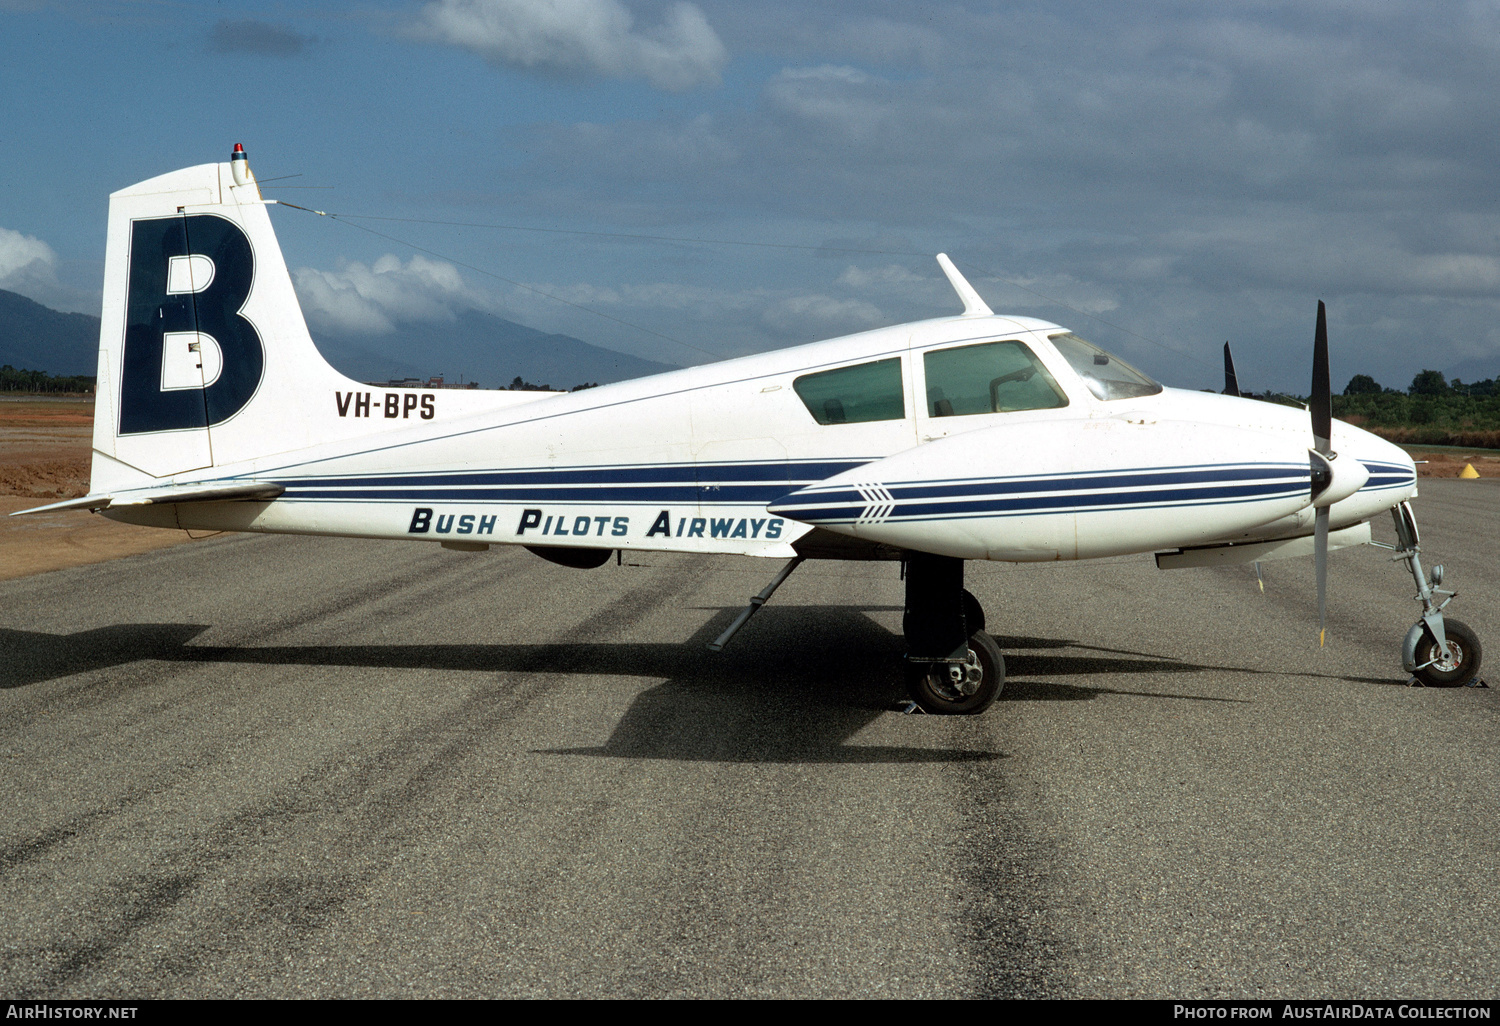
794,686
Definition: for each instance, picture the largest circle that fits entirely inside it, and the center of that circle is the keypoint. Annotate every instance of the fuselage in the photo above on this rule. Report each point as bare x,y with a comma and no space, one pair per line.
873,439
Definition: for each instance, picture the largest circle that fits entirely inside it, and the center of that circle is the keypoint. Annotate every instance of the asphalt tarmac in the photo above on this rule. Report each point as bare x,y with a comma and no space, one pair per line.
278,767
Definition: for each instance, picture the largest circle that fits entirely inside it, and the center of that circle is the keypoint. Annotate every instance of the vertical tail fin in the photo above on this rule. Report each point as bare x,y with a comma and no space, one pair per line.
204,357
205,361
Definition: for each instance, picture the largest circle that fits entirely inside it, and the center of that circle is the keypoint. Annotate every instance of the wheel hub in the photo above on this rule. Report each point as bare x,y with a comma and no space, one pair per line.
958,681
1455,657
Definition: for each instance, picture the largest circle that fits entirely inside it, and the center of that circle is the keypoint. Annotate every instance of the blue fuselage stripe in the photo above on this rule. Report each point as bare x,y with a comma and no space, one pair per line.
728,484
1388,475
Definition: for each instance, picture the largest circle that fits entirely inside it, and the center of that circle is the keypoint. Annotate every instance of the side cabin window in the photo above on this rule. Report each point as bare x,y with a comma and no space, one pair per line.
853,395
992,377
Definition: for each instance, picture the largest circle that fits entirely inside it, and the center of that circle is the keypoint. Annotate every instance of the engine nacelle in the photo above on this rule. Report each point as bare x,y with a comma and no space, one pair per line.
1065,490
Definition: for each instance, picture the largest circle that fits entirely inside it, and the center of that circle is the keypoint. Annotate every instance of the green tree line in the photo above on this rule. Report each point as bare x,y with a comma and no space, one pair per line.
520,385
13,380
1432,410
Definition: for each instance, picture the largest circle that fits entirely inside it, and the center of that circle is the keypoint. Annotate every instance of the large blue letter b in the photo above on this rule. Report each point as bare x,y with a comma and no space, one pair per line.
165,302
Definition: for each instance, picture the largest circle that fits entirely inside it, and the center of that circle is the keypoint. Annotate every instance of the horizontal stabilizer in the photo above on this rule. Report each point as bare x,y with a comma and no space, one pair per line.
94,502
1260,552
242,491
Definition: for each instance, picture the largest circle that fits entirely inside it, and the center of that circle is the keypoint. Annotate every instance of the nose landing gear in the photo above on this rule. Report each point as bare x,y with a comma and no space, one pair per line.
1437,652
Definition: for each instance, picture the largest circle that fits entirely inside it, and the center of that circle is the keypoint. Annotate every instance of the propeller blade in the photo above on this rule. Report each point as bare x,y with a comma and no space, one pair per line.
1231,380
1320,560
1321,400
1320,404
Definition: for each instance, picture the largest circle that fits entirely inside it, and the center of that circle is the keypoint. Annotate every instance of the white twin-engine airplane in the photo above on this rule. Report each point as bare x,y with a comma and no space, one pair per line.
967,437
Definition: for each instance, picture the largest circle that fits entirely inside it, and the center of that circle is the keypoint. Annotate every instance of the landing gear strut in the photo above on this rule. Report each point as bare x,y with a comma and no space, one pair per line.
952,665
1437,652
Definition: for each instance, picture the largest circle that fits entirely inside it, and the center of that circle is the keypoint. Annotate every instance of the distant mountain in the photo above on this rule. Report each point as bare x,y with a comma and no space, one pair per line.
35,337
1478,369
480,347
477,346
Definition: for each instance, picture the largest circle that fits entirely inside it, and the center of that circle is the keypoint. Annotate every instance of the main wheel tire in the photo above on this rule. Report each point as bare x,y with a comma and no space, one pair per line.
1464,645
973,612
933,688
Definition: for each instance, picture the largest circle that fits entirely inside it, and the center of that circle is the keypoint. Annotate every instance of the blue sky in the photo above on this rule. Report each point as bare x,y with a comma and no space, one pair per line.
1157,176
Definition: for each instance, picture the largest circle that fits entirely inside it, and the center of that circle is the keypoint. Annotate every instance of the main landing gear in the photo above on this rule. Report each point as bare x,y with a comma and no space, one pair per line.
1437,652
952,665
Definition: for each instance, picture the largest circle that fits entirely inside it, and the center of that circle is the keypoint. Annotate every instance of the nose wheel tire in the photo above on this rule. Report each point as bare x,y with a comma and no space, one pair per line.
1463,664
970,687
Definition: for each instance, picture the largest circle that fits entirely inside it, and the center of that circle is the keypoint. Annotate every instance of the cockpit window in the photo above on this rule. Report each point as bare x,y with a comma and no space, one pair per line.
852,395
992,377
1108,377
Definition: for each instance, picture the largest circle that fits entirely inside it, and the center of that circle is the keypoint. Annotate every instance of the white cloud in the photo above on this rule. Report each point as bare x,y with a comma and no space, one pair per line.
896,285
1085,297
825,73
718,321
23,257
893,282
814,31
818,316
891,275
1445,273
371,299
841,98
29,267
695,299
582,36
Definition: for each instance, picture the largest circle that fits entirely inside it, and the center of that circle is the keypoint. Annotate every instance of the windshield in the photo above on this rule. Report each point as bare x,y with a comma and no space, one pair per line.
1108,377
